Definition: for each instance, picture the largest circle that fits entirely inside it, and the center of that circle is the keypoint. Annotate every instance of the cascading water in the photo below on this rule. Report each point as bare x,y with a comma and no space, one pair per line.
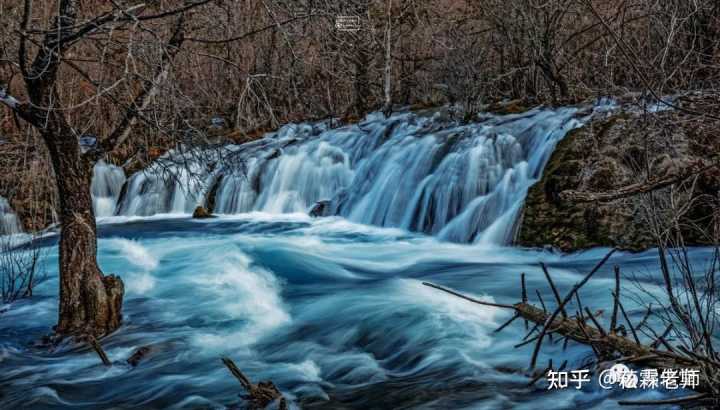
461,182
9,222
106,186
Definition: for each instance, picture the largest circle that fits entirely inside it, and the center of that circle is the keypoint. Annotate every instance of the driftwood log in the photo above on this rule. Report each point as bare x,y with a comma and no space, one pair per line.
259,395
610,346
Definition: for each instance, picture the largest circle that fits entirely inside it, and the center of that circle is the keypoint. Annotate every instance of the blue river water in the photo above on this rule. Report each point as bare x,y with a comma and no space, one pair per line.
333,312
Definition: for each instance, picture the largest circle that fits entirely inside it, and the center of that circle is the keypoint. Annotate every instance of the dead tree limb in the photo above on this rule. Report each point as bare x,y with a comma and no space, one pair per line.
554,289
678,400
627,319
564,302
606,345
616,300
259,395
638,188
572,328
99,350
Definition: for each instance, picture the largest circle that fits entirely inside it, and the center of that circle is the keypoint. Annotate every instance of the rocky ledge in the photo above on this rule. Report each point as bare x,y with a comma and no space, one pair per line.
628,147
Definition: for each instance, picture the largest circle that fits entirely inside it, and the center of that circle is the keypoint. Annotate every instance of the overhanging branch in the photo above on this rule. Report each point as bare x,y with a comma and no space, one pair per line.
149,90
639,188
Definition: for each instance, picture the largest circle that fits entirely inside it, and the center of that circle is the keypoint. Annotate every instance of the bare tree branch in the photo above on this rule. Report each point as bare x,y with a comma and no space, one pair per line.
149,90
638,188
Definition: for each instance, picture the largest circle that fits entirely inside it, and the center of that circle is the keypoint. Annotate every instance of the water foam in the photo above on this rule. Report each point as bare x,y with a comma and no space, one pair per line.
241,292
134,252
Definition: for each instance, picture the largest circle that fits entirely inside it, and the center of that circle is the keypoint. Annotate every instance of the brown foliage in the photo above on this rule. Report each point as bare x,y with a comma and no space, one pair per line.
258,64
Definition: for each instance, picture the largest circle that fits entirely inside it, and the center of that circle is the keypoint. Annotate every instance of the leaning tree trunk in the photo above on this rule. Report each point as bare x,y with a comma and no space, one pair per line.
90,303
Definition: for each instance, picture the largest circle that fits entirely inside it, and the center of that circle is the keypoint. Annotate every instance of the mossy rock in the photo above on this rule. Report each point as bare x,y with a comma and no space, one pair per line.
604,155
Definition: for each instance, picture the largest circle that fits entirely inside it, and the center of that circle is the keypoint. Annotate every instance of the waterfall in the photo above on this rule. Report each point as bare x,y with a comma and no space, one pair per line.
164,188
420,172
9,222
106,186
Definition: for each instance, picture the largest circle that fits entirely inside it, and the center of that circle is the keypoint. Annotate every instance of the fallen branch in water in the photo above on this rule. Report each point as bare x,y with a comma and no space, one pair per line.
259,395
99,350
574,328
611,345
678,400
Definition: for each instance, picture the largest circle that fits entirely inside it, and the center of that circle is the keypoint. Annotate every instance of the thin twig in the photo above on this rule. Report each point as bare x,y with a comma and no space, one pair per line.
479,302
595,322
616,301
506,324
542,302
554,289
569,296
627,320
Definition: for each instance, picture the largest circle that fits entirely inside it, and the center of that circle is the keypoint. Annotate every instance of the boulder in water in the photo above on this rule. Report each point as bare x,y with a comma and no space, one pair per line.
319,209
202,213
139,355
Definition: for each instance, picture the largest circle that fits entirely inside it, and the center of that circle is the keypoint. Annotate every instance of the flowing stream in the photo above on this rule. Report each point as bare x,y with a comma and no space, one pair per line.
331,309
333,312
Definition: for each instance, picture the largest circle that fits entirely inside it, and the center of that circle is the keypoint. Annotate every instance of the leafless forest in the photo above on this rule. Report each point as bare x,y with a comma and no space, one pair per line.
258,64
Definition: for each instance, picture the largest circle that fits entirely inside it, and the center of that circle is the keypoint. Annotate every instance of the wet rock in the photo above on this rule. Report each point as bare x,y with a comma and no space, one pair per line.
201,213
510,107
139,355
320,209
275,154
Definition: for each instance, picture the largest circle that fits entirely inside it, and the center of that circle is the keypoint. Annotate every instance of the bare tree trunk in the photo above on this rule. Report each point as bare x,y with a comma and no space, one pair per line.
387,106
90,303
362,92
